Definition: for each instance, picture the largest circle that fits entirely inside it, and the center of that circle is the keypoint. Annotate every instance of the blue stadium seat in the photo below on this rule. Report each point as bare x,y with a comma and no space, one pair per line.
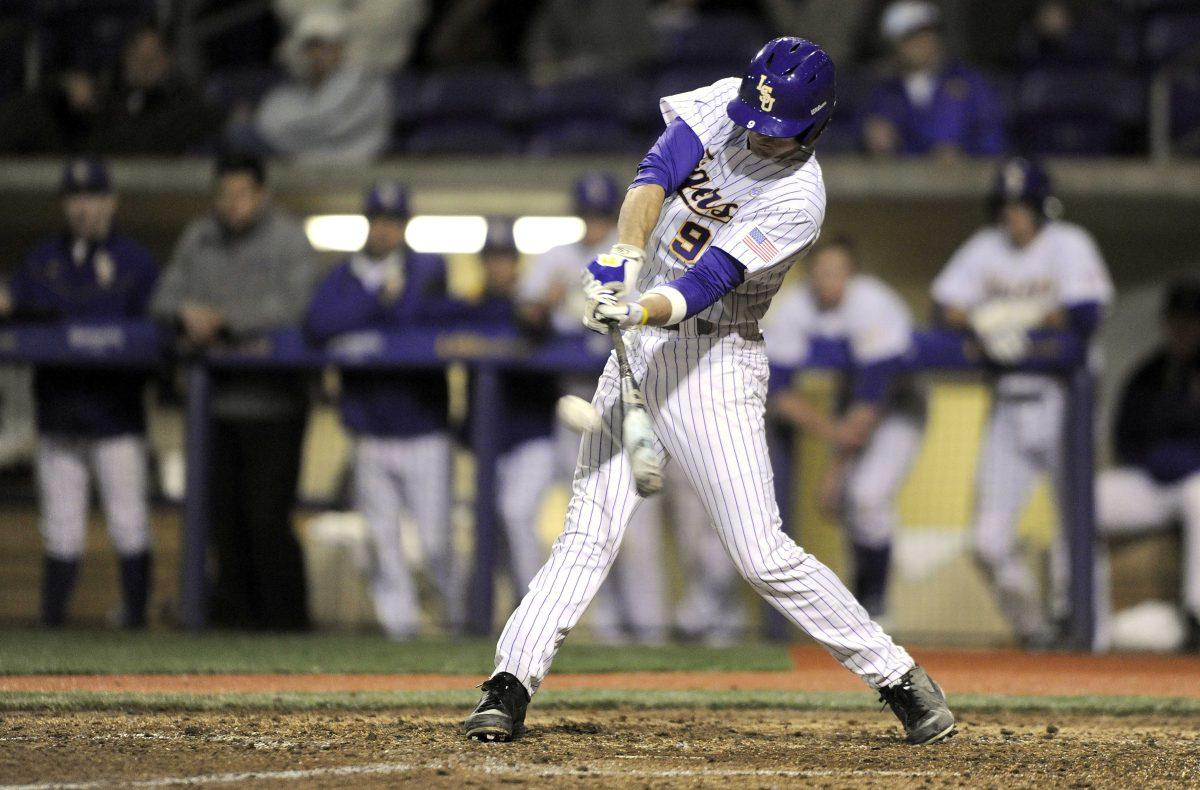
1080,112
589,137
87,34
613,97
722,39
1185,111
240,85
1171,35
406,95
461,138
473,94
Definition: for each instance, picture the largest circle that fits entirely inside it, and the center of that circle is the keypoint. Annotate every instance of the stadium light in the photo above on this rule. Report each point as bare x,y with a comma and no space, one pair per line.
535,235
446,234
336,232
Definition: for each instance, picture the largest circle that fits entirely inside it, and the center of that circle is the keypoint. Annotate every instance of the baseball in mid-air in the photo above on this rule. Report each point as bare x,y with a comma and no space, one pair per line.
577,414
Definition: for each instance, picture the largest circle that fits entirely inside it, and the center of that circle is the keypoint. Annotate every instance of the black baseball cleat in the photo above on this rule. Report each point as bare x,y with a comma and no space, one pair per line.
500,714
920,706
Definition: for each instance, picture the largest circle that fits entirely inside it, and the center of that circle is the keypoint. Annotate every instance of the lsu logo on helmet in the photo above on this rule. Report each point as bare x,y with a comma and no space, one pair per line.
765,98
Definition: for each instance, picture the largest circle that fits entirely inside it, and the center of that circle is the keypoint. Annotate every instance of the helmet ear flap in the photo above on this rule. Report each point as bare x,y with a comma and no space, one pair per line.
810,135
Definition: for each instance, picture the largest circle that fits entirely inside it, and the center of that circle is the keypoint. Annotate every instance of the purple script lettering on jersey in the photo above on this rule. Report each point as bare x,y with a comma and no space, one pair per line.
702,199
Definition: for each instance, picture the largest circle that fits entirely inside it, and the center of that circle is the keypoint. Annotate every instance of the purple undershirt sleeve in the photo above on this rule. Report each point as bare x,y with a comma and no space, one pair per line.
672,158
714,275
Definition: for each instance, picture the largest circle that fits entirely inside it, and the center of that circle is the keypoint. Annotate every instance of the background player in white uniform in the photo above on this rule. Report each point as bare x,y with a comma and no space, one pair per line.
876,430
1027,270
633,604
402,455
726,200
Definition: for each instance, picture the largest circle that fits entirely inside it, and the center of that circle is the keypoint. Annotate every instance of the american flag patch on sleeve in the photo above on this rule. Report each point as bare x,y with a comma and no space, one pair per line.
760,245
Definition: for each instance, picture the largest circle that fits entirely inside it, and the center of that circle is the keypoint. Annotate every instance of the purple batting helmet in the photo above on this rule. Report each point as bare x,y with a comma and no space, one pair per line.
1020,180
788,91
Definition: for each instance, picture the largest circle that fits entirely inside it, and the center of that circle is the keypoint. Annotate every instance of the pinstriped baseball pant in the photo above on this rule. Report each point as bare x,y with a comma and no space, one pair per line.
706,397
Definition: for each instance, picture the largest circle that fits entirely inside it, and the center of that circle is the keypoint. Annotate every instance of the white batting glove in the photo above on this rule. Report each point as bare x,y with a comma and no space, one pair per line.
603,308
617,270
1006,345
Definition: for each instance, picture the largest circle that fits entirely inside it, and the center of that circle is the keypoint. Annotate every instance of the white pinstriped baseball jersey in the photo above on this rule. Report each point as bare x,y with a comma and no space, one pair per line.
871,317
763,212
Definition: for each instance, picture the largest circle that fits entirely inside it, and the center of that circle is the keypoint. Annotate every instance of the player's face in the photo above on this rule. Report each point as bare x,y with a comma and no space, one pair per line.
239,199
920,51
772,147
384,236
89,216
829,273
321,58
500,273
1020,223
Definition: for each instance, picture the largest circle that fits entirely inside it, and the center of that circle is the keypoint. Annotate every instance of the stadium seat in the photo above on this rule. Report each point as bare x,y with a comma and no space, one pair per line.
471,94
1172,35
1185,112
589,137
86,33
721,39
1080,112
611,97
461,138
240,85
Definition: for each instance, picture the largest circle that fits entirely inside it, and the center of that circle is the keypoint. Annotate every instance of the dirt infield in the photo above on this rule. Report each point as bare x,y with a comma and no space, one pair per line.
669,748
962,671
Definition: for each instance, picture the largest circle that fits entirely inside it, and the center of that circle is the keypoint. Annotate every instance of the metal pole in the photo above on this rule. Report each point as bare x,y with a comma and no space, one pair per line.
487,411
1079,478
193,596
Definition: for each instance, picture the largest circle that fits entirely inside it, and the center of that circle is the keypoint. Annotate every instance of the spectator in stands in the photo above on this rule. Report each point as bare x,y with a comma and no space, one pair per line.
1157,446
1058,33
381,34
91,423
581,38
239,273
330,112
56,119
476,32
932,106
154,110
403,453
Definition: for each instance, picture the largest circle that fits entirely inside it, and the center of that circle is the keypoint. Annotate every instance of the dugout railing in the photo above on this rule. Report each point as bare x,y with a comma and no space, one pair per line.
488,351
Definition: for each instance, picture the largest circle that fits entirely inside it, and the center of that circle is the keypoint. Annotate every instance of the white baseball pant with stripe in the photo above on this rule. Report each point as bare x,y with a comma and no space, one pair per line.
394,475
706,397
64,469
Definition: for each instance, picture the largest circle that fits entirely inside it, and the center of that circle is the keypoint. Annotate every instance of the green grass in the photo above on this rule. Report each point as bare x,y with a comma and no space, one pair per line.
454,702
28,651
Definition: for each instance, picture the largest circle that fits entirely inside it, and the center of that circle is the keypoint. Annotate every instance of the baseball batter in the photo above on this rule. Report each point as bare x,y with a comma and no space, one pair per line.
1024,271
726,200
876,432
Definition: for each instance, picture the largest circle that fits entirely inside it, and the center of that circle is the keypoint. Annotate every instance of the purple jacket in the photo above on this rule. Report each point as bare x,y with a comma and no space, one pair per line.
964,112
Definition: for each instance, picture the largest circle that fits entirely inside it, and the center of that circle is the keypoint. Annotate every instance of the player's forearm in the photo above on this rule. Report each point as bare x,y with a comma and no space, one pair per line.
856,427
639,214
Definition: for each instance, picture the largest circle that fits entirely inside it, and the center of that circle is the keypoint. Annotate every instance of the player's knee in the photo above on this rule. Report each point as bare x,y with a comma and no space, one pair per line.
130,539
62,546
871,517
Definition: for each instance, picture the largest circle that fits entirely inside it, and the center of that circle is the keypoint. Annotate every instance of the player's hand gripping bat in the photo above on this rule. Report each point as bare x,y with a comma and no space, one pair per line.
637,434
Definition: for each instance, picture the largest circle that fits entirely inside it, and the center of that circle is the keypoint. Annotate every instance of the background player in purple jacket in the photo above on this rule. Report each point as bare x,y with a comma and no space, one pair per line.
932,105
90,422
403,452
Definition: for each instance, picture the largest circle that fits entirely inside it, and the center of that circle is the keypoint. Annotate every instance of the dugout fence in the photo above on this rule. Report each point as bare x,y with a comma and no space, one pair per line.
488,352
